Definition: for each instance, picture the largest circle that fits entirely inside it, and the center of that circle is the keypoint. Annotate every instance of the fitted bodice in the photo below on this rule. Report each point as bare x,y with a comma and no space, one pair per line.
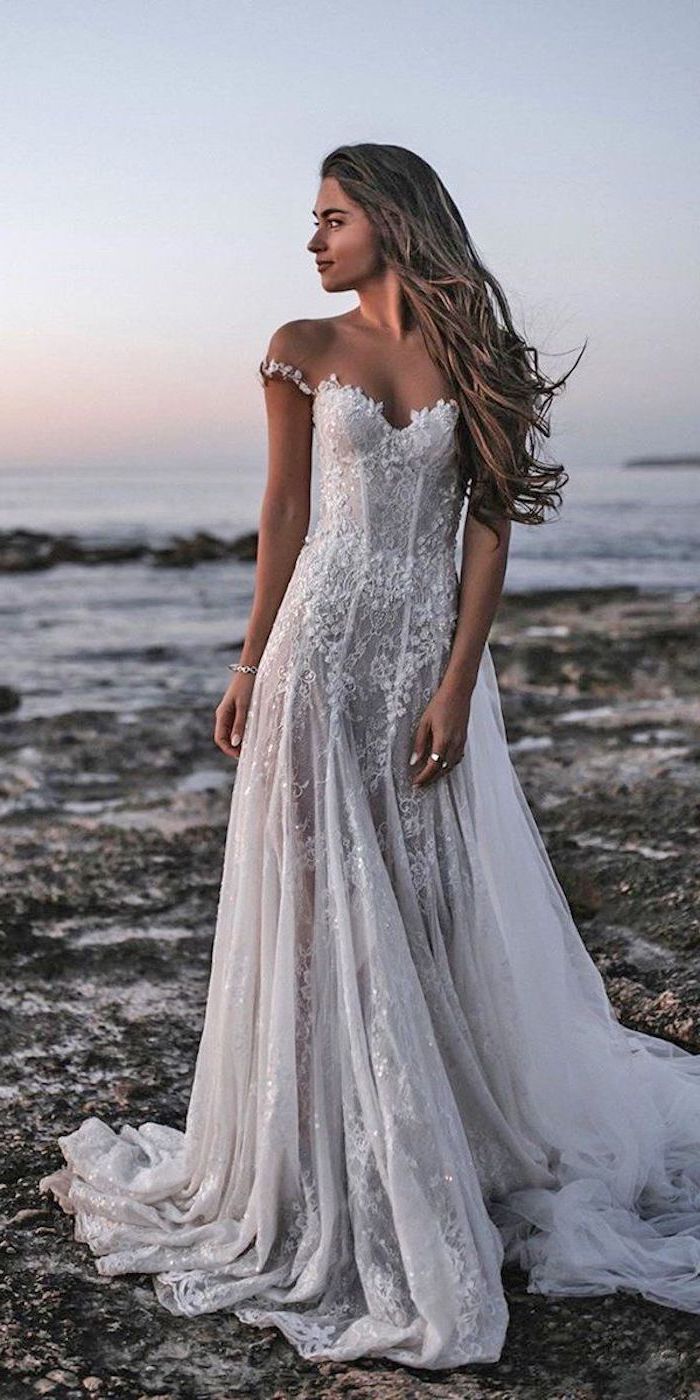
397,490
388,489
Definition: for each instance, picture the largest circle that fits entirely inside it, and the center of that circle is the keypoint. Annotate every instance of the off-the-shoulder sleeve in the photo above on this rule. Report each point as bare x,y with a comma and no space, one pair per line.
269,369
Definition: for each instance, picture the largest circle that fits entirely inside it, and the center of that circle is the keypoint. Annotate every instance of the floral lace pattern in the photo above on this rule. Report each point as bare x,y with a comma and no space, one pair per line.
276,369
409,1069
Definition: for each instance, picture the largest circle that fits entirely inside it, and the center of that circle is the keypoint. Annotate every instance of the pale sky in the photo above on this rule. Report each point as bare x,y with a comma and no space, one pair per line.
160,161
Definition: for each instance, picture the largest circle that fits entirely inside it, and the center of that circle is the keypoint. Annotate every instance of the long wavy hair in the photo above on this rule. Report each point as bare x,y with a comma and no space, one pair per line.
503,396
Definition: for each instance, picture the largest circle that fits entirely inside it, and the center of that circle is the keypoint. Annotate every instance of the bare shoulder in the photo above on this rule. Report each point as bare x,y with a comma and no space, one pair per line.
304,344
294,342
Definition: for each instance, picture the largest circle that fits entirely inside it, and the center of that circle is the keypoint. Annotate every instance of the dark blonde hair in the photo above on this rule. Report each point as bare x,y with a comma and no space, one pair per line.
503,395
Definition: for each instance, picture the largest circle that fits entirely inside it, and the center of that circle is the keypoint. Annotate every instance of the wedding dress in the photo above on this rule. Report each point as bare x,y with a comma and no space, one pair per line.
409,1071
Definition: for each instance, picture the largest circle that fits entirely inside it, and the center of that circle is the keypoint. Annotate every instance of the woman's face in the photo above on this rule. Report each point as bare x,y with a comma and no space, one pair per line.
345,244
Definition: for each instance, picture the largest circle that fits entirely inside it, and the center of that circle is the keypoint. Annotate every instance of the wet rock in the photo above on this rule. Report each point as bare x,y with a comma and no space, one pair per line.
184,551
24,551
10,699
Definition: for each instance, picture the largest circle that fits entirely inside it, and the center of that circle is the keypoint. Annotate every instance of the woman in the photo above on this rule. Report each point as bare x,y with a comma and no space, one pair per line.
409,1069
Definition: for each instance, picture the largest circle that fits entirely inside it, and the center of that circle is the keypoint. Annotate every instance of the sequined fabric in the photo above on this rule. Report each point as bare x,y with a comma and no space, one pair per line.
409,1070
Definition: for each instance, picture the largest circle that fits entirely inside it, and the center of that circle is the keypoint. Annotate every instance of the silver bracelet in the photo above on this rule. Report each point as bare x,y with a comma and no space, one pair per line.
243,668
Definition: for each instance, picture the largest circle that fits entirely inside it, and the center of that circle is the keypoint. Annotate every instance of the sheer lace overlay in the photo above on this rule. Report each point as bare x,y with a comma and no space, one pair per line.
409,1069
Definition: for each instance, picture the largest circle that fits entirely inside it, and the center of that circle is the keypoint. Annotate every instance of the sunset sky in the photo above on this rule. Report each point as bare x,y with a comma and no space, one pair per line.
160,161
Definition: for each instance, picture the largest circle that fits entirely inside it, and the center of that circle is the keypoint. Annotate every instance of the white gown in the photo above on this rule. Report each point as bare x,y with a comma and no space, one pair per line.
409,1071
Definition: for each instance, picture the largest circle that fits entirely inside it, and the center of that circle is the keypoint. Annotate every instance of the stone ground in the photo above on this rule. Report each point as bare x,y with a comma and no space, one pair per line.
112,844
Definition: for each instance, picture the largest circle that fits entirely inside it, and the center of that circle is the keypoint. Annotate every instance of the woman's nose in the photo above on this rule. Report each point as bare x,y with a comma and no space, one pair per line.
314,243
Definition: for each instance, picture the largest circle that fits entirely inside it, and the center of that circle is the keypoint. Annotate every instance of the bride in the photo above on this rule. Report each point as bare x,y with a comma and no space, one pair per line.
409,1071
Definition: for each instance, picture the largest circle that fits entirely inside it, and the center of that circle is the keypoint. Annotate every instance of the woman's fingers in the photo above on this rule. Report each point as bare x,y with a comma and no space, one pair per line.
230,716
228,727
419,743
430,768
420,759
237,731
426,765
433,767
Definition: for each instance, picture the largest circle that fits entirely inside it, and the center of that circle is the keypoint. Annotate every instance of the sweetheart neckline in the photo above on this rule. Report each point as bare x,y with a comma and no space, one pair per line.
378,404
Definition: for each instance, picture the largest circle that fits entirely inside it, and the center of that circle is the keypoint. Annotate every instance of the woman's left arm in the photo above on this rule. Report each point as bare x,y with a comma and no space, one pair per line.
443,725
483,570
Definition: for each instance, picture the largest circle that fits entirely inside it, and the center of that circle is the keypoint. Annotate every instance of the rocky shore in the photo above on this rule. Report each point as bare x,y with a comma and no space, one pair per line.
27,551
113,831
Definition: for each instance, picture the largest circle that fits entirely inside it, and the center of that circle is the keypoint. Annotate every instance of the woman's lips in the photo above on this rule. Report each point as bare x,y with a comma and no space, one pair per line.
322,265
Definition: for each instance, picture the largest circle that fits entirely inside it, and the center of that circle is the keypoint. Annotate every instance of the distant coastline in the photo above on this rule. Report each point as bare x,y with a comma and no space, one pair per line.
691,461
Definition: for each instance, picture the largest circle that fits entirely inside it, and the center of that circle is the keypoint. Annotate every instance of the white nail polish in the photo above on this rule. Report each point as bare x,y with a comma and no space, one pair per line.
235,739
413,758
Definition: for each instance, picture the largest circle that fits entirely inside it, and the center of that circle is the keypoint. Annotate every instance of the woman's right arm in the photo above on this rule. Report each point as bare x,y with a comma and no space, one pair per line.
284,521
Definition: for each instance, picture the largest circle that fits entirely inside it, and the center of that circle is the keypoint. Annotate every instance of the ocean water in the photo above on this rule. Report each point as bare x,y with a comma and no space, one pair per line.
132,635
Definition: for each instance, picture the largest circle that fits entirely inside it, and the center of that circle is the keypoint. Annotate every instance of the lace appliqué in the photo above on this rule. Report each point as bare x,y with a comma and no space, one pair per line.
269,369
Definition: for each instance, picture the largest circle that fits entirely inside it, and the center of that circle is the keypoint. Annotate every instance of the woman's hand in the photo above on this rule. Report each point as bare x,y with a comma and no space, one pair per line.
230,713
442,729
